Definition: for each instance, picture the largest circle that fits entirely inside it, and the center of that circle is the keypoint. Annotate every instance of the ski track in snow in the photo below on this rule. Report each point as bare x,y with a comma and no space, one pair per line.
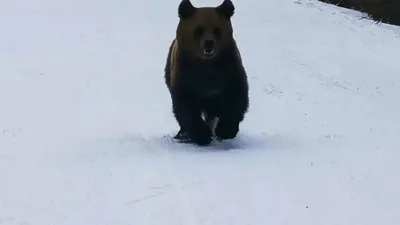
86,122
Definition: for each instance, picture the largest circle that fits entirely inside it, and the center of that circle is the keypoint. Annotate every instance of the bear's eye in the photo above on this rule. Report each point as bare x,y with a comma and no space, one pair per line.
198,31
218,32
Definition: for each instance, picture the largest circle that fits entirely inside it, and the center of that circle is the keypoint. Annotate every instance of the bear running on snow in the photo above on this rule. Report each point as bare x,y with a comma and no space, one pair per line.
205,75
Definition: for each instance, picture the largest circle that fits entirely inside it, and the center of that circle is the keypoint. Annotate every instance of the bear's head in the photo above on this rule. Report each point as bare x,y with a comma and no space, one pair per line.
205,33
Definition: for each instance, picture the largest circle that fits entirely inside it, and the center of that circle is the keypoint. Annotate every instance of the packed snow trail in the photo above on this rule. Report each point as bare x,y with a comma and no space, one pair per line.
85,118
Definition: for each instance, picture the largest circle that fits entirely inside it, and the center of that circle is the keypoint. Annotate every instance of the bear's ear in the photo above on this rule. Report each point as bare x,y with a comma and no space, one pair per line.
226,9
186,9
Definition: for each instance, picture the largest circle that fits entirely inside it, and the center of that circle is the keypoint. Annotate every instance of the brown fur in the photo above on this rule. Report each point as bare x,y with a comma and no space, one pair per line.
212,84
207,19
174,68
174,64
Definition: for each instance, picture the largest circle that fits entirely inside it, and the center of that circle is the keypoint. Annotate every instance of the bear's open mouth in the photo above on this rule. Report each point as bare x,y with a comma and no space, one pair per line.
209,52
209,47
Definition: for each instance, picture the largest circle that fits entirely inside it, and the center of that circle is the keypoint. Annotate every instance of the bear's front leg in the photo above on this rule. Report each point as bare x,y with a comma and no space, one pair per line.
227,128
231,114
187,113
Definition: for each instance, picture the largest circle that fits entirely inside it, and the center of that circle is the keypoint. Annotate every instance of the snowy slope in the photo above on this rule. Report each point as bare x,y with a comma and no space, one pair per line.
85,118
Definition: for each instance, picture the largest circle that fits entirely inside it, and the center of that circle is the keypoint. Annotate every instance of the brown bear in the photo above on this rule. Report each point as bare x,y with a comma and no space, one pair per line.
205,75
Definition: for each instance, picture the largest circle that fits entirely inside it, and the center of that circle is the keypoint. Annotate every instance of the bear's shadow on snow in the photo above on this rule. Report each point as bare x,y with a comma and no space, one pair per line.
243,142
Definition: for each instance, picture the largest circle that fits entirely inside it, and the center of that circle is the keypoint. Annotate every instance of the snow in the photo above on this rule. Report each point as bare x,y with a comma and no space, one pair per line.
85,118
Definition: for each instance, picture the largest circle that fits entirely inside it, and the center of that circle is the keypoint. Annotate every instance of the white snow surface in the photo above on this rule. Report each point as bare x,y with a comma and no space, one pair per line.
86,120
